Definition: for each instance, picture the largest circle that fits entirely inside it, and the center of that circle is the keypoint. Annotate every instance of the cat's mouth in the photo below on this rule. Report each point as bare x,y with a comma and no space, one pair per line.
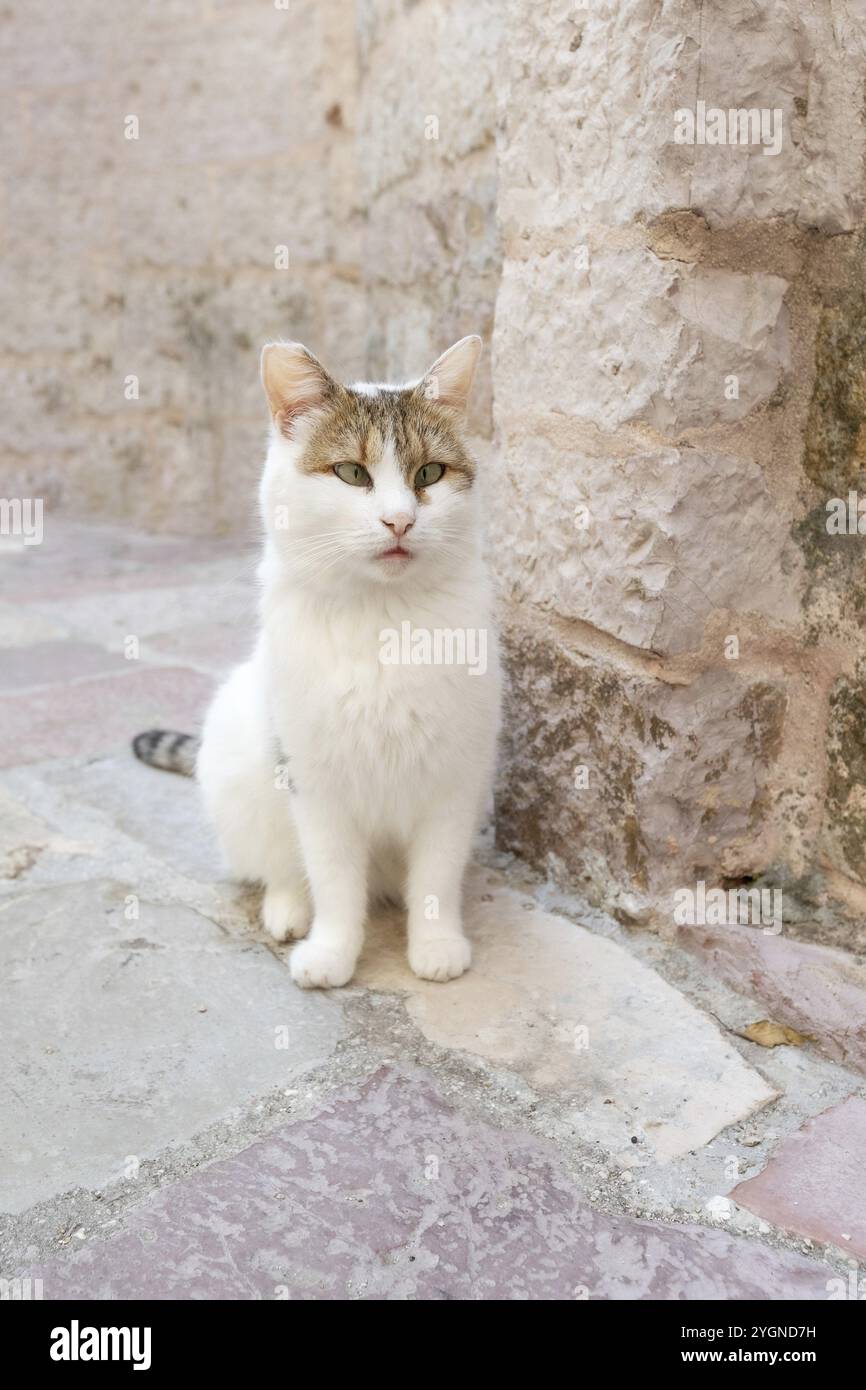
396,552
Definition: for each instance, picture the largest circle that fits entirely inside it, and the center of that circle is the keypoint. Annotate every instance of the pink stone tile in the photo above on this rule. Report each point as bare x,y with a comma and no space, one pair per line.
216,646
816,1183
818,990
98,716
76,559
53,663
389,1192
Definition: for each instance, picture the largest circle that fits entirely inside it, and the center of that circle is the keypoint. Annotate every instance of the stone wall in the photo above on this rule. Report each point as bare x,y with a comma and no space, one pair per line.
428,170
679,388
674,393
148,247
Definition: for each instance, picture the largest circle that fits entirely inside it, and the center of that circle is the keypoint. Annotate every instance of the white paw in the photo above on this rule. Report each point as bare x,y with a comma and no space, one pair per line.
440,957
286,913
315,966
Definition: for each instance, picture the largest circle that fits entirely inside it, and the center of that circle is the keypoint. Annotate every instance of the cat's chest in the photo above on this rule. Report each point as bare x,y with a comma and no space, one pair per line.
358,684
359,681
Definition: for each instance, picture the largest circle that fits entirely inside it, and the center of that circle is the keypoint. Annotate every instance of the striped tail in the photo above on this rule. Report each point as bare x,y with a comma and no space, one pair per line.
166,749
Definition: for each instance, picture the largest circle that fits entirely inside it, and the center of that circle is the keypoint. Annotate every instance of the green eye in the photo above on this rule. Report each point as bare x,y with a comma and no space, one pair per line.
428,474
355,474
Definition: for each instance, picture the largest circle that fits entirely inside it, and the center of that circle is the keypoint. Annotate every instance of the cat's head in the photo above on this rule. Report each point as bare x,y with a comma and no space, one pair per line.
372,483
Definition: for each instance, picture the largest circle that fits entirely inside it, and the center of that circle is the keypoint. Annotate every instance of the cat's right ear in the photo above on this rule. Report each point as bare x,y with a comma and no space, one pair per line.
295,382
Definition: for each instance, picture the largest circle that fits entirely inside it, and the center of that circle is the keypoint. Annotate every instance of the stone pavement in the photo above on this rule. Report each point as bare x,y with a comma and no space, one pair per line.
578,1117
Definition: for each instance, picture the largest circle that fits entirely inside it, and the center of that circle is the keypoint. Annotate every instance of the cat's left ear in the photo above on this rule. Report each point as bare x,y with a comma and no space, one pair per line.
449,380
295,382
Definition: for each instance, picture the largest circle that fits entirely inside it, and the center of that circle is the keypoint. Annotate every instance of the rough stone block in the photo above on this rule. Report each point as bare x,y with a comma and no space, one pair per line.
633,337
646,548
630,786
590,97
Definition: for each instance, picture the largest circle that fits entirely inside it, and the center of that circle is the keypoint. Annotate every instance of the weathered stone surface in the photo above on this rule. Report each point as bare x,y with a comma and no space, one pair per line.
590,93
623,540
426,159
818,990
210,646
20,627
390,1193
154,256
653,340
655,327
769,61
155,809
398,134
845,832
75,559
66,823
576,1015
814,1183
135,1025
630,785
834,458
112,617
450,258
25,836
55,663
98,716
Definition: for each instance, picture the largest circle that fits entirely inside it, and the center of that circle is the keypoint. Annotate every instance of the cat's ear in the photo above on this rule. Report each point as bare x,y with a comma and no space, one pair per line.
449,380
295,382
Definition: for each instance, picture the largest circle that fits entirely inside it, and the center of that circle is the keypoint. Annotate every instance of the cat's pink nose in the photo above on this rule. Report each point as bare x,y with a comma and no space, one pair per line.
399,523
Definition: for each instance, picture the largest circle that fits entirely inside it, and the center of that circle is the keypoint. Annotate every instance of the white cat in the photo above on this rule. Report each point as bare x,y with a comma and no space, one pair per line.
344,762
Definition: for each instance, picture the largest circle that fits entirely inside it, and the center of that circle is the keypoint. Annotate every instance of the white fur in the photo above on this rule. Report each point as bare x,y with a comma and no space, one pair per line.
392,763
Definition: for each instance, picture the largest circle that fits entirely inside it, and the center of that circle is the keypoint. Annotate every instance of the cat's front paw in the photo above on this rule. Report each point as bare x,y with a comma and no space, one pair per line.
440,957
315,966
286,913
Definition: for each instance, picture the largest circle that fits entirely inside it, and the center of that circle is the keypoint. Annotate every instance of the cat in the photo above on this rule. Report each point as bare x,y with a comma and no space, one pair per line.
339,765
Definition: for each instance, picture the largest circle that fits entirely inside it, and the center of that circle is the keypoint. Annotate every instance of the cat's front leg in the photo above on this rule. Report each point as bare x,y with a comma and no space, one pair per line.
438,949
335,855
